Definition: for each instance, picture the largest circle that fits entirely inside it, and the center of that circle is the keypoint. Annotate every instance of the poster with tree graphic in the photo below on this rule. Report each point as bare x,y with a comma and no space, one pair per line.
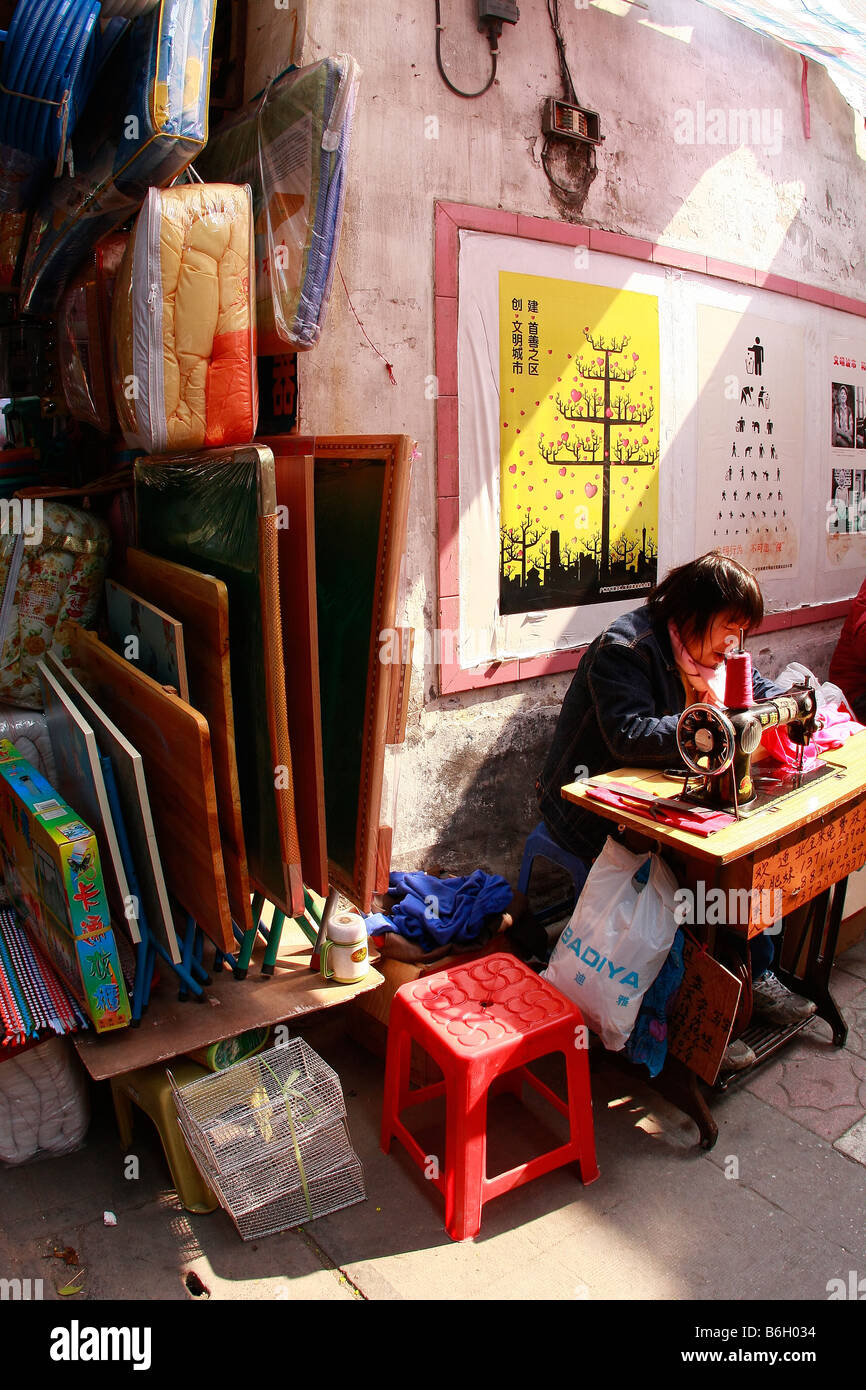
579,443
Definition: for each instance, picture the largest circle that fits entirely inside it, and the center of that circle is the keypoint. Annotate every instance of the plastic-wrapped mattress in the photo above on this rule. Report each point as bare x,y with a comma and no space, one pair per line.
145,120
292,147
83,339
183,322
28,730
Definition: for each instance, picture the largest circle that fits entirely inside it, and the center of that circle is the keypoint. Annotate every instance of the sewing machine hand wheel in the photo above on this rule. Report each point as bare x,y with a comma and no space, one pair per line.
706,740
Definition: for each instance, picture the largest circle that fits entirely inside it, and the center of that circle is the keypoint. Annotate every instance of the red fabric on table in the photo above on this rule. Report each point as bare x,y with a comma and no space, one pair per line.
678,820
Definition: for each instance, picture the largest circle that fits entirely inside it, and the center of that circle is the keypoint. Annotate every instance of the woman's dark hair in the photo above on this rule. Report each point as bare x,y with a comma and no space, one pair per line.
693,595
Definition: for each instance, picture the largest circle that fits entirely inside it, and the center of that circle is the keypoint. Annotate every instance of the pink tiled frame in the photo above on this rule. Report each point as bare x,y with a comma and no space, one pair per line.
450,219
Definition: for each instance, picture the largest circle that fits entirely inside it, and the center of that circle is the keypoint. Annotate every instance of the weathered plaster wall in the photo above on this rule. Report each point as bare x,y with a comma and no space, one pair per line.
788,204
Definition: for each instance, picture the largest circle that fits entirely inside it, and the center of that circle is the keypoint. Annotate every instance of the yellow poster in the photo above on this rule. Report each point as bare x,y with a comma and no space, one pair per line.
579,442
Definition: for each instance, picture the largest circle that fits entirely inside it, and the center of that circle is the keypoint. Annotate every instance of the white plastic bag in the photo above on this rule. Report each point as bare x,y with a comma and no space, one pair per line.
617,941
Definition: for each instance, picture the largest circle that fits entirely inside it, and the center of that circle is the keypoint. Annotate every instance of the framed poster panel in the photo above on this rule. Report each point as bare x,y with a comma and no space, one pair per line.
594,392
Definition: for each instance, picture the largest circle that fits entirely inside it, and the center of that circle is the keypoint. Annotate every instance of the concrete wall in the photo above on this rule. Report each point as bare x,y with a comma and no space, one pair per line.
787,204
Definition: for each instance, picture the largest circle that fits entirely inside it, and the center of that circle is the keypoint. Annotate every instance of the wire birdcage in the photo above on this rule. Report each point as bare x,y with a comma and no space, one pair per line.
260,1106
269,1136
342,1187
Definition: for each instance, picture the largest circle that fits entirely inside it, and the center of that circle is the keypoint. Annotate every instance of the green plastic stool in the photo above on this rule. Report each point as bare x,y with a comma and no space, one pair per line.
149,1088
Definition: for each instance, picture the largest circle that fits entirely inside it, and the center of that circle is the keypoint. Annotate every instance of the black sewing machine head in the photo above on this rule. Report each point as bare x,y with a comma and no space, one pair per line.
717,746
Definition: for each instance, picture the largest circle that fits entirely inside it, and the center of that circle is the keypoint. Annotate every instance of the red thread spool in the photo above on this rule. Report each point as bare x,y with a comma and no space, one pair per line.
738,681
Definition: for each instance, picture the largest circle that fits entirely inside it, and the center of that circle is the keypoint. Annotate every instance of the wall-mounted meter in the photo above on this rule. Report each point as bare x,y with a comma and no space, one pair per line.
564,121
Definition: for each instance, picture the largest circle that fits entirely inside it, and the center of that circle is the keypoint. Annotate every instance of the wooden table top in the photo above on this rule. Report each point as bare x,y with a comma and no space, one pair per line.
170,1027
765,827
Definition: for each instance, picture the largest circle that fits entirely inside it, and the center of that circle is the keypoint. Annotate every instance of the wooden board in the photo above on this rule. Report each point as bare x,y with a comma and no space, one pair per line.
294,476
80,782
169,1027
361,509
149,638
703,1014
216,512
132,790
201,603
174,743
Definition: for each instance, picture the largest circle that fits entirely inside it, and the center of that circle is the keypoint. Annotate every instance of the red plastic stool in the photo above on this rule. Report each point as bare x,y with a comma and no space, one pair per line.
480,1022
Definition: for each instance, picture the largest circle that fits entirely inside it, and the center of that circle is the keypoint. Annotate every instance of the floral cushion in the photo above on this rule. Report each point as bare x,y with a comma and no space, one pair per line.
60,581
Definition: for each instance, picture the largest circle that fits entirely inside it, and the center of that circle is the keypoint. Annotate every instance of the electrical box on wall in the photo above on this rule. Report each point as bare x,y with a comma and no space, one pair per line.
497,11
565,121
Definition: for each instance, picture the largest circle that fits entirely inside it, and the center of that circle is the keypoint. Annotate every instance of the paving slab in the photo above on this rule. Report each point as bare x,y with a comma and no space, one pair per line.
821,1086
854,960
853,1142
796,1170
853,1010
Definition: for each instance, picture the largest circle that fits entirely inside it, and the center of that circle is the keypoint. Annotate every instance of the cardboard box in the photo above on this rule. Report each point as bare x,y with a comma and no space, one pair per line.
52,871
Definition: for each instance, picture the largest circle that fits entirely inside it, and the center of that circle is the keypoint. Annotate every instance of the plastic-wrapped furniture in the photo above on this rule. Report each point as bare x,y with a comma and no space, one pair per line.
83,338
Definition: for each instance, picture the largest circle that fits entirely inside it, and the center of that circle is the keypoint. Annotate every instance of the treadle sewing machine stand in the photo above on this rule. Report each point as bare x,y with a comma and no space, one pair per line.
804,845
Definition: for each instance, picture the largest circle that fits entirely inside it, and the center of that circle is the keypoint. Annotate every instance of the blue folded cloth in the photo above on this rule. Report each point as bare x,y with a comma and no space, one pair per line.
442,911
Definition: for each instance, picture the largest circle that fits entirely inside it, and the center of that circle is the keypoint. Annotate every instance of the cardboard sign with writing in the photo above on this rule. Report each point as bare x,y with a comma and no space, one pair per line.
703,1014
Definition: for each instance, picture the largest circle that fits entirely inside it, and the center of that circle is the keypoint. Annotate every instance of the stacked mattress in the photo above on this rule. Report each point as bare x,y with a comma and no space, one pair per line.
145,120
183,322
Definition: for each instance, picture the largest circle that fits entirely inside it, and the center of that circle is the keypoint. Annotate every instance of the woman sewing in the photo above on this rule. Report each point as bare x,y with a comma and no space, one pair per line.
622,708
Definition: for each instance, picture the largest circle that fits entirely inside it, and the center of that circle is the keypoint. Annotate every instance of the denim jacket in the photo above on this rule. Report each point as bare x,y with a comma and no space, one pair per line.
621,710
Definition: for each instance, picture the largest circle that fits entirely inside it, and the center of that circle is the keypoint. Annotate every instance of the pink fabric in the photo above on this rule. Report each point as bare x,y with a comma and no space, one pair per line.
837,726
679,820
708,681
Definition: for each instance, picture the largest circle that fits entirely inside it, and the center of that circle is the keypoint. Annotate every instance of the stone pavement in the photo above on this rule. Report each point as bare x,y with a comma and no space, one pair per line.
776,1210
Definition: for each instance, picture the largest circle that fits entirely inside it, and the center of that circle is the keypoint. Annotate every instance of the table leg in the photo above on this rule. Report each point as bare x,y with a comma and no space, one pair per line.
823,939
678,1084
246,952
276,931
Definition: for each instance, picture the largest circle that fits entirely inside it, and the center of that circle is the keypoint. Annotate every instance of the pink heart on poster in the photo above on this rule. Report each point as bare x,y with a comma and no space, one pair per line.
512,468
590,489
558,495
562,472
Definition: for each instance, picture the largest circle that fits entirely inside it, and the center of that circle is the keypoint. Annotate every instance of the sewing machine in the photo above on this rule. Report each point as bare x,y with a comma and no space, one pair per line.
717,747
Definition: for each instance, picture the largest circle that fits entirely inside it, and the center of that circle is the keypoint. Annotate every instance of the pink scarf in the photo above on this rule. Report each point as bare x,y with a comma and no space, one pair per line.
707,681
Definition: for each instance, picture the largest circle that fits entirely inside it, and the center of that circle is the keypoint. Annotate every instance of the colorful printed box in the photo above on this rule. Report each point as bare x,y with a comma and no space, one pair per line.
52,872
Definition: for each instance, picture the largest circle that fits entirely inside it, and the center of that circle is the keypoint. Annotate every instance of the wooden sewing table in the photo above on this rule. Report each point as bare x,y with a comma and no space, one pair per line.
805,846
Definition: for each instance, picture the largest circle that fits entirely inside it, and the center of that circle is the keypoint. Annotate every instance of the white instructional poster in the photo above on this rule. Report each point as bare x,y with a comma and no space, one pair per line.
750,438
